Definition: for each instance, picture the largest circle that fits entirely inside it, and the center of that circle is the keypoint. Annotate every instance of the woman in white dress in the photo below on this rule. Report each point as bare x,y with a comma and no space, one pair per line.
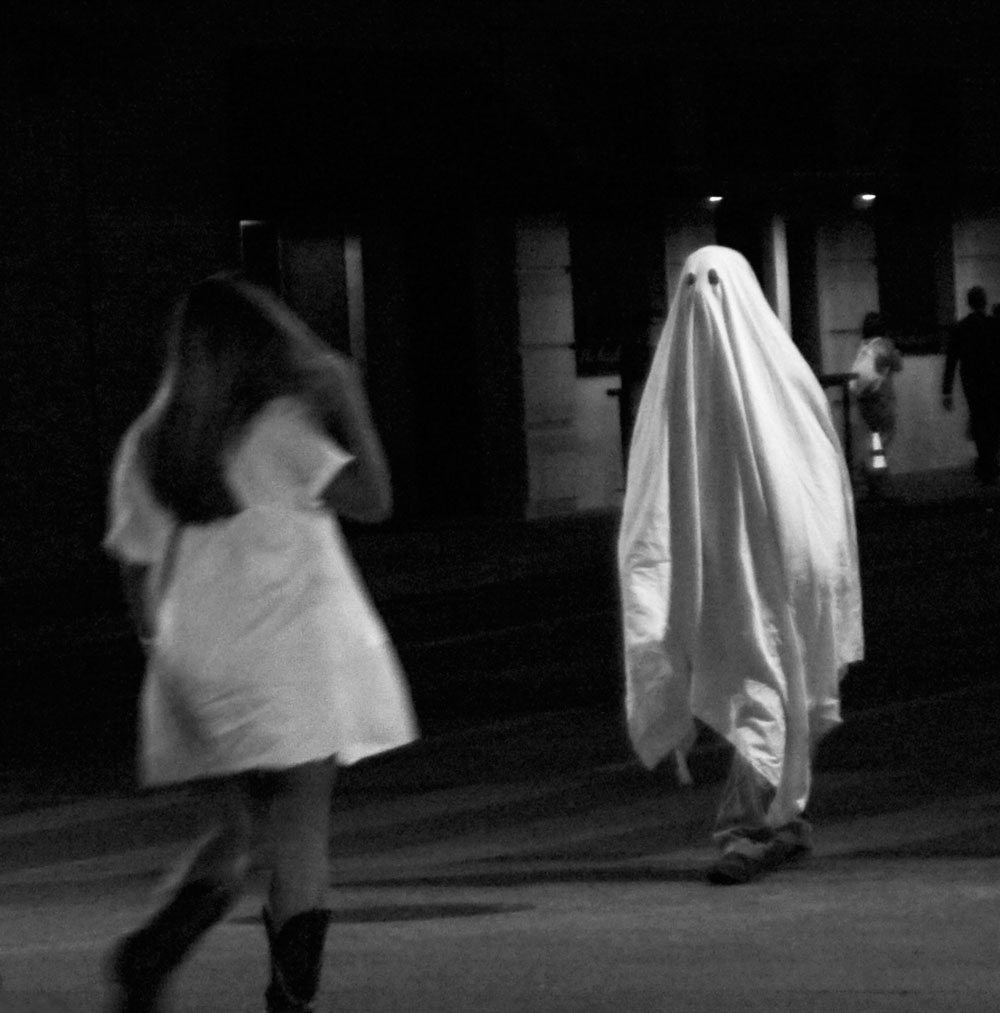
737,558
267,664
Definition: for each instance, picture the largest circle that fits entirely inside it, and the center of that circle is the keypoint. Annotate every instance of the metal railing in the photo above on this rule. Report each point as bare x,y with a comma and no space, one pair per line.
843,381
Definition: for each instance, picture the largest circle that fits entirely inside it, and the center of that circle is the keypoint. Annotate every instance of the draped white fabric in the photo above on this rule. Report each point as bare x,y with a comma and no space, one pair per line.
737,550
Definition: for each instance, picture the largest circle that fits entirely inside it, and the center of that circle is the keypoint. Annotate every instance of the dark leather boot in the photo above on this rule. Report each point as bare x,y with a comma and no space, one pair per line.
142,961
296,960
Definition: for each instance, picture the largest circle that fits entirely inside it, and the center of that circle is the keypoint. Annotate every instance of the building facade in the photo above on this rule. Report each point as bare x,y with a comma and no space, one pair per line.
490,218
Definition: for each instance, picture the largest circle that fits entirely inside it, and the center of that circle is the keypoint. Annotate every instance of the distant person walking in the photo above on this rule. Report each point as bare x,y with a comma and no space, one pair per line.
267,664
876,363
974,349
737,559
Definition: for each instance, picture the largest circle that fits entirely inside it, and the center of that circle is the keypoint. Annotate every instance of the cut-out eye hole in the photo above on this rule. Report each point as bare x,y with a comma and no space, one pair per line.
690,279
713,276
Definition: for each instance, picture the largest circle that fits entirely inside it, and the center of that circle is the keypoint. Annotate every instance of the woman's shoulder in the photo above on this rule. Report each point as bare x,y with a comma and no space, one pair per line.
286,412
285,450
282,425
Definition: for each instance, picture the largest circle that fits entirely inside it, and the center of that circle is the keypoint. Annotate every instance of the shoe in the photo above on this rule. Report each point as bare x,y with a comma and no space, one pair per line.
733,870
741,862
744,859
141,963
296,960
791,843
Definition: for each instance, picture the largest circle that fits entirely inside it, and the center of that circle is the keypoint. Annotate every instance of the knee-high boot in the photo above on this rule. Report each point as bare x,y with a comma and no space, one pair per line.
296,960
141,963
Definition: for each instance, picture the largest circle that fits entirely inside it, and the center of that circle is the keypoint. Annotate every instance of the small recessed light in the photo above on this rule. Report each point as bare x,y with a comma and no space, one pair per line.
864,200
714,199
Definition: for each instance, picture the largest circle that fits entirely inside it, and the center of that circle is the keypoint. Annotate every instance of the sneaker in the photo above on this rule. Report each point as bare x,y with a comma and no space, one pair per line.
788,847
741,862
743,859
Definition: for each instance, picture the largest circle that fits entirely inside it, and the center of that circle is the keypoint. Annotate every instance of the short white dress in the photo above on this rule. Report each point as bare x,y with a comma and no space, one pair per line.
268,652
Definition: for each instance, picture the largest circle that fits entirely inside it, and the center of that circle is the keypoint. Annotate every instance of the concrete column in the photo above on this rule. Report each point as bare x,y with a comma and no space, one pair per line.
776,286
545,326
846,289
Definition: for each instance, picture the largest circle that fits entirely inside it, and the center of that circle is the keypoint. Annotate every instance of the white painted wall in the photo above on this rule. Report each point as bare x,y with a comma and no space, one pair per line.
600,481
847,281
600,476
572,425
977,258
927,437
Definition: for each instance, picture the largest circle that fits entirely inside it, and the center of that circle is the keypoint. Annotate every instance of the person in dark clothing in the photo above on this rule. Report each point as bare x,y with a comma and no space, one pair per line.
974,349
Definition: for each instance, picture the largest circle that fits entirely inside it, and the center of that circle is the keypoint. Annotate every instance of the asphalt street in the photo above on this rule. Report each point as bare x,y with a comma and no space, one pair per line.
532,865
518,858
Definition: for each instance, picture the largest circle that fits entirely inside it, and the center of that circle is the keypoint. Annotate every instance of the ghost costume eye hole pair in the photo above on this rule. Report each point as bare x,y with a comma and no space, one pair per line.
713,277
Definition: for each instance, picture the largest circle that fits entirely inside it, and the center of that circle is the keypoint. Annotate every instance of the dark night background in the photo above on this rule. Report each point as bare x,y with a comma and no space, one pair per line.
137,137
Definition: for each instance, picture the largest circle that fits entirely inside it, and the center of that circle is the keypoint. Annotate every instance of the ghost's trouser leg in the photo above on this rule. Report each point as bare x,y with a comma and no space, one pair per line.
749,842
742,812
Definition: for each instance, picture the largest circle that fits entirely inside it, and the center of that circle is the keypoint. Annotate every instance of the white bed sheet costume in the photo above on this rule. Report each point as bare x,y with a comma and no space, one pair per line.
737,550
268,652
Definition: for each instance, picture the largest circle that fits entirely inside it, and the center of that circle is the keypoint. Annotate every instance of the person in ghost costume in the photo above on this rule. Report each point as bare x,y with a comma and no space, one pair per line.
737,560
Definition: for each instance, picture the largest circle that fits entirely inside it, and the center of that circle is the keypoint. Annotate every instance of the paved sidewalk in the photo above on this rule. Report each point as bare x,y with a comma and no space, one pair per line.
533,866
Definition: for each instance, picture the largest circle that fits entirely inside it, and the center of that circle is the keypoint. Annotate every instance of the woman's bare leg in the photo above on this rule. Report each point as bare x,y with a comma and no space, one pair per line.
202,889
296,917
300,801
222,854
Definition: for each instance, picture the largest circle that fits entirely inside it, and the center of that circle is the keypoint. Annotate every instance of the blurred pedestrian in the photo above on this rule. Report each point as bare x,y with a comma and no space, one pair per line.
738,560
974,349
267,664
876,363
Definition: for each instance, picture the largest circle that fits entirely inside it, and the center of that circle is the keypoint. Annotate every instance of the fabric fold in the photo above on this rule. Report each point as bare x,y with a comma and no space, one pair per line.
737,549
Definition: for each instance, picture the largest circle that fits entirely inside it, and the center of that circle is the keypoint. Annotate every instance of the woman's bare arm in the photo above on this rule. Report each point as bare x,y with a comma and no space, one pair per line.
363,489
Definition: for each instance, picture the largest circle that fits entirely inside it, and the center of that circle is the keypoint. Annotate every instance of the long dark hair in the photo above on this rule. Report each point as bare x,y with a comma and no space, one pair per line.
226,358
